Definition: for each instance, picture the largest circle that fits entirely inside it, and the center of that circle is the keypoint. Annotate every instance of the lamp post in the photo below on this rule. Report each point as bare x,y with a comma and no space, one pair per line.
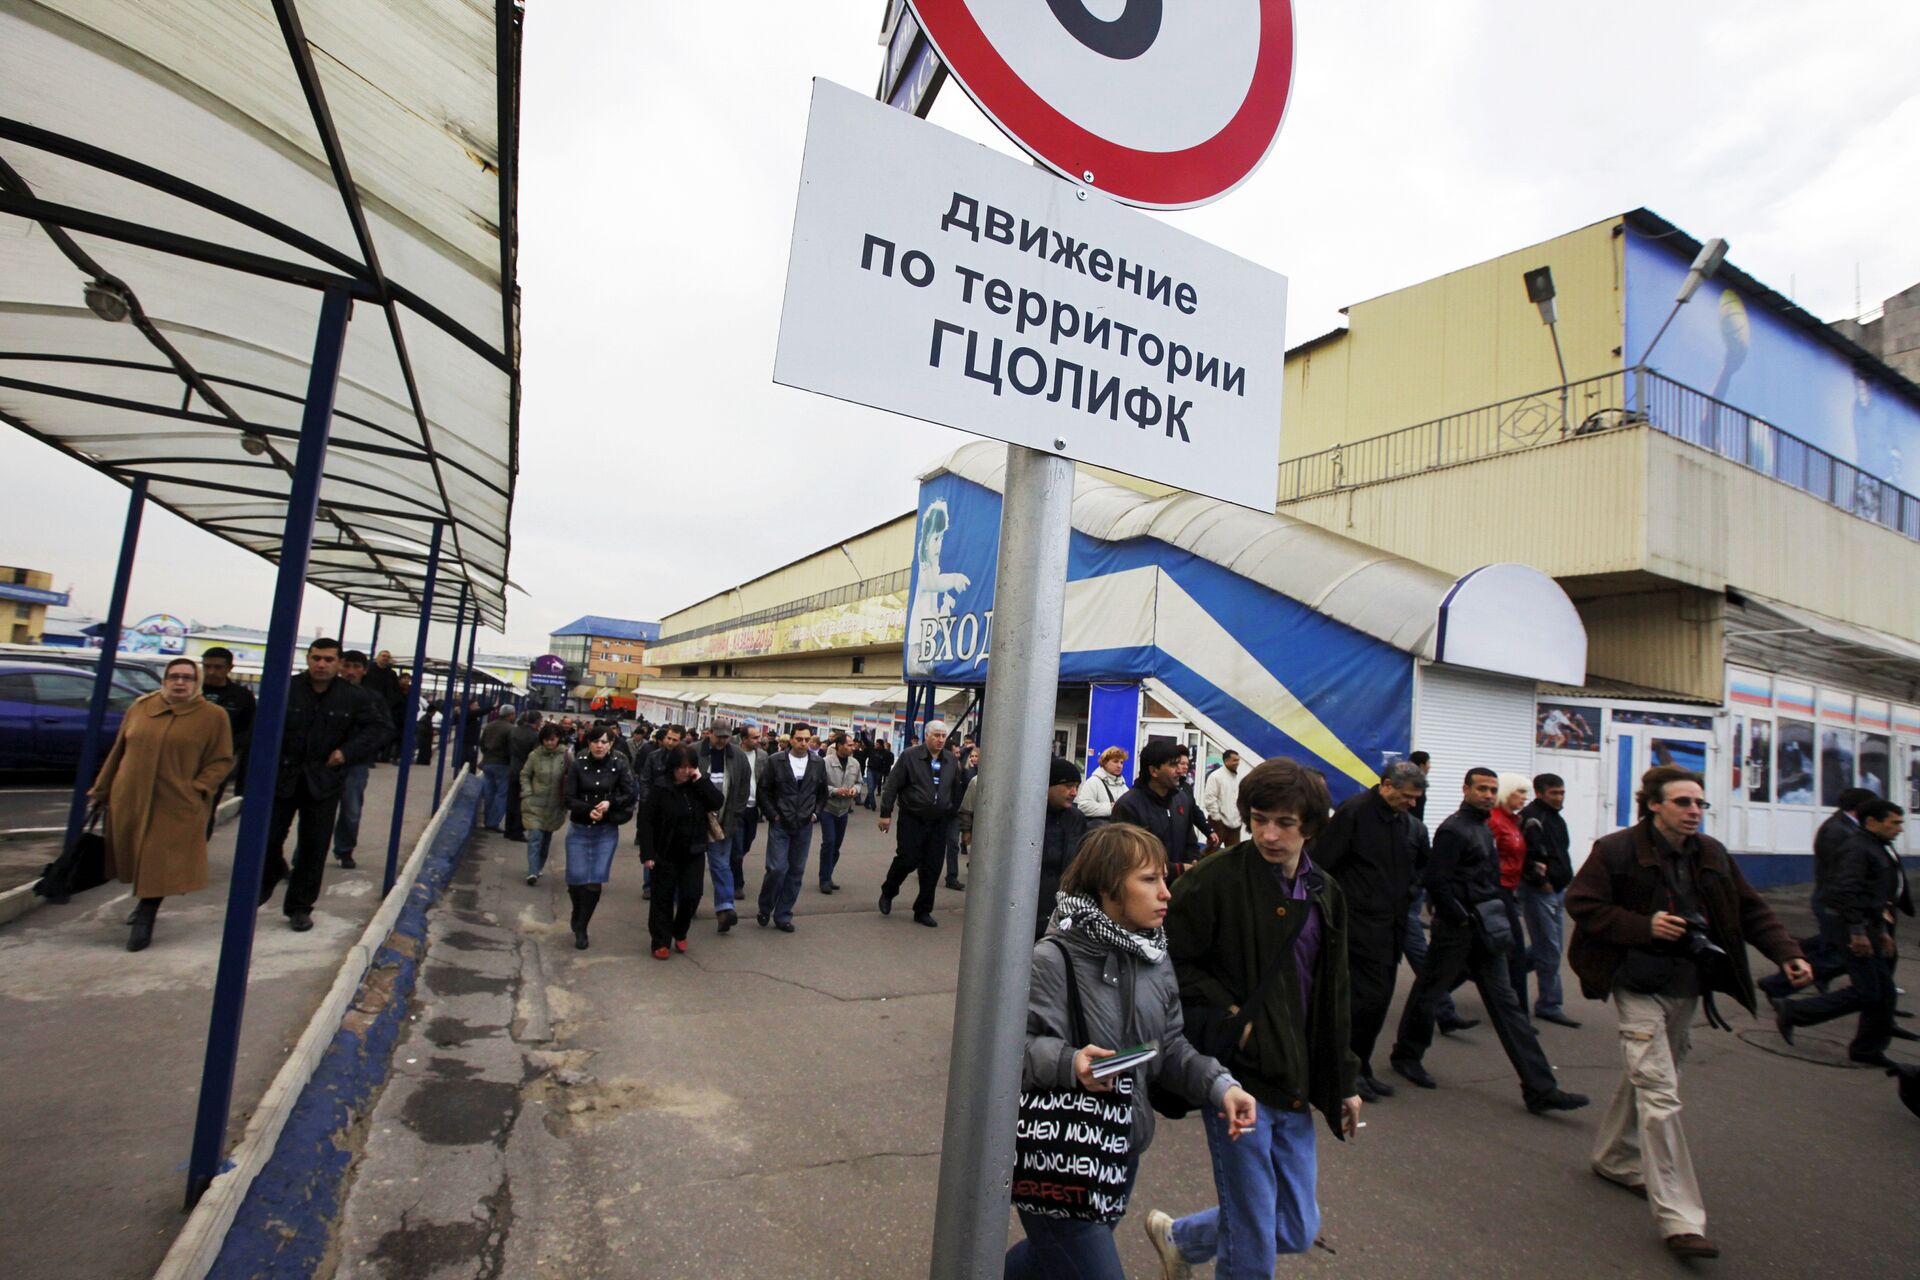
1540,292
1705,264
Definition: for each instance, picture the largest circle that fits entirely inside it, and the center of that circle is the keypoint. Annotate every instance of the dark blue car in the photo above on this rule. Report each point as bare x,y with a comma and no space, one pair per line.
43,713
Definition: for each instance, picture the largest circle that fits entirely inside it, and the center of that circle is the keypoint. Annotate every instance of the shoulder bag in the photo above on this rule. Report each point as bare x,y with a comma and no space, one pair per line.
1071,1147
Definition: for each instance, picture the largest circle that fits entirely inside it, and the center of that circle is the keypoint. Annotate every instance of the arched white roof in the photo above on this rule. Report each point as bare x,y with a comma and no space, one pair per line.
1508,618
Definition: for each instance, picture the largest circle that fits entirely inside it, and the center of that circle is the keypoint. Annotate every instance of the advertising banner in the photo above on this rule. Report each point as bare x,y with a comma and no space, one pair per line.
547,672
1279,677
877,620
157,633
933,277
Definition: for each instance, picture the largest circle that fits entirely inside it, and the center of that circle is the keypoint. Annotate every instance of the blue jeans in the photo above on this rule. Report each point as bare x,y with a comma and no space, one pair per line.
1546,919
720,867
1416,949
590,851
353,798
1066,1248
874,783
494,803
787,849
538,842
1265,1182
833,829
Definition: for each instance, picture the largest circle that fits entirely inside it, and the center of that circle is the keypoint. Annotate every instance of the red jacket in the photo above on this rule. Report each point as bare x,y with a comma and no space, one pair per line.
1511,844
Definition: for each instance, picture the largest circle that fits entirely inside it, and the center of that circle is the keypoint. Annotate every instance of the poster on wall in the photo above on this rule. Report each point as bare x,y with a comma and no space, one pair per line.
1684,752
1913,777
1796,761
1759,766
1836,764
1566,726
1739,754
1876,754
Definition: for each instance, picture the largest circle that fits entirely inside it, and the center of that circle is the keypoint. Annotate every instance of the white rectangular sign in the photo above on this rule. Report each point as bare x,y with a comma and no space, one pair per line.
934,277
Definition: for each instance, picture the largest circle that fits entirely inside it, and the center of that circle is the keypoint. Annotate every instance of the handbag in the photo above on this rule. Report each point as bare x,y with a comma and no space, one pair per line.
1071,1147
81,867
1495,928
715,832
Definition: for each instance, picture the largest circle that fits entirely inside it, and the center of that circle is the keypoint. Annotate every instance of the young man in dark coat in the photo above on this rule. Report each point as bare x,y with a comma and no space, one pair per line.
1645,900
1542,894
330,724
1371,846
1471,937
1258,938
793,790
1159,802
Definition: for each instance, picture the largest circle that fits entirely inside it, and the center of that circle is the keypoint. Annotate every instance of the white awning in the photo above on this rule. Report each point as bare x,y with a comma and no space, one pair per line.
892,696
851,697
792,702
203,174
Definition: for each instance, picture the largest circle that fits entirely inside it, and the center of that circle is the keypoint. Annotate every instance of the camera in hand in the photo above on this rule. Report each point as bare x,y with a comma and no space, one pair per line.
1695,942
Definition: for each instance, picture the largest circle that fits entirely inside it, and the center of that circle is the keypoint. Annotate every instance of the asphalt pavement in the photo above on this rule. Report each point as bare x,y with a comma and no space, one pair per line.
770,1104
28,806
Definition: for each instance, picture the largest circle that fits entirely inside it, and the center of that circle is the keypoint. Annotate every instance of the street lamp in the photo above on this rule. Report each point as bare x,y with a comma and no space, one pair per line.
106,299
1541,294
1705,264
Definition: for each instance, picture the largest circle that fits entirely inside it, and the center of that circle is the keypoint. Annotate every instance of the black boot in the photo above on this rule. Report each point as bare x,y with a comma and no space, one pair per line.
573,896
142,932
589,899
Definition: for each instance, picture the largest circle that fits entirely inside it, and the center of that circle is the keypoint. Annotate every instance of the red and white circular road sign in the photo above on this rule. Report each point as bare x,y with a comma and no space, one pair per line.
1164,104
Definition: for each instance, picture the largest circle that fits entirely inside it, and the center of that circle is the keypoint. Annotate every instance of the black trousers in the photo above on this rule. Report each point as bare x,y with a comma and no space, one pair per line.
315,818
1373,962
516,826
1455,950
920,847
1871,994
677,886
749,828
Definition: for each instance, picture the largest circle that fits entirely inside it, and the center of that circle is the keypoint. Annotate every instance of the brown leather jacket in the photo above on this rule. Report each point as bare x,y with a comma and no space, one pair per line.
1612,901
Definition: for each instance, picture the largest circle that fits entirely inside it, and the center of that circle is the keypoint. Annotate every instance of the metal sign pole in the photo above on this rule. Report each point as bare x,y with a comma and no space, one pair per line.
410,714
996,944
448,691
263,756
103,673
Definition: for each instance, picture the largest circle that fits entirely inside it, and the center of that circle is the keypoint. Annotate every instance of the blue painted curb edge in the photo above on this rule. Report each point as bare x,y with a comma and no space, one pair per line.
284,1225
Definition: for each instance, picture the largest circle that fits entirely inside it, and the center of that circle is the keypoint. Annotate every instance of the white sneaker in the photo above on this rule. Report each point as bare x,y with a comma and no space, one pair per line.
1160,1235
534,878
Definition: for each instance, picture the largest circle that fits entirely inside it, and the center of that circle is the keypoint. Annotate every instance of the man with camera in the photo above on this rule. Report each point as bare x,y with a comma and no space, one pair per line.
1662,918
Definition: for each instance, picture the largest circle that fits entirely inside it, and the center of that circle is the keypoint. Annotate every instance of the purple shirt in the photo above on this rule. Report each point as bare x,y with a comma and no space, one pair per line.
1306,944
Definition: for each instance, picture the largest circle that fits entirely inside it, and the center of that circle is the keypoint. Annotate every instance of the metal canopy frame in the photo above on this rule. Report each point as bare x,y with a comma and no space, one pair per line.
386,524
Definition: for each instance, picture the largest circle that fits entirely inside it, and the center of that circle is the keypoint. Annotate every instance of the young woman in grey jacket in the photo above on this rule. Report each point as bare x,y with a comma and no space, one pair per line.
1113,899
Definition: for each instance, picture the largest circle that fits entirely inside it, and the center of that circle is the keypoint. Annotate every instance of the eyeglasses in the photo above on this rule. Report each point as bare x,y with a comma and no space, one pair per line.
1688,802
179,675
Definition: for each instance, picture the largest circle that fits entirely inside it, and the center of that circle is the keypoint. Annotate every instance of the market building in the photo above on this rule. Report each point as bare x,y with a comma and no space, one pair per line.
606,658
1680,549
24,597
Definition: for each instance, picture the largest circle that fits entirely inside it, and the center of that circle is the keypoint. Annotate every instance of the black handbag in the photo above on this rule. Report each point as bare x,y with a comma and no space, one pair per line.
1071,1147
1492,924
83,866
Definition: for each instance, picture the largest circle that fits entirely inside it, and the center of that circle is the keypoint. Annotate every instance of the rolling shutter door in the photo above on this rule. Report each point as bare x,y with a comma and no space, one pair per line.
1465,718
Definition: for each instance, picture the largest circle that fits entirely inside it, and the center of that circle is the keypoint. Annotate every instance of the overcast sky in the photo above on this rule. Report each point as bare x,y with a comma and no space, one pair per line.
660,156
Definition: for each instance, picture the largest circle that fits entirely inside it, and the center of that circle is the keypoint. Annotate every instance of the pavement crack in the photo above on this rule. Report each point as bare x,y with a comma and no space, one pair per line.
843,1162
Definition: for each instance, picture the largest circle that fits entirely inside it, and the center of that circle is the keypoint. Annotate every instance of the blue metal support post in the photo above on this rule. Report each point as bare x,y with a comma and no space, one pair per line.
263,755
447,709
466,692
410,716
346,603
373,645
103,674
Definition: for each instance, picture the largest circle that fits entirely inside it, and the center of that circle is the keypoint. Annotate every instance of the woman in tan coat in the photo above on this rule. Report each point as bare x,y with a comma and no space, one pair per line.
157,787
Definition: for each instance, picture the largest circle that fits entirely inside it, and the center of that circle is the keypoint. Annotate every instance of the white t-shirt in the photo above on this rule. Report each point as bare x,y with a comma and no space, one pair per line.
799,764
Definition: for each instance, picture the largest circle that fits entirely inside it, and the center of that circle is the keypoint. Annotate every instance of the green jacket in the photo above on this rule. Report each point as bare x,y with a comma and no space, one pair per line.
1226,923
542,778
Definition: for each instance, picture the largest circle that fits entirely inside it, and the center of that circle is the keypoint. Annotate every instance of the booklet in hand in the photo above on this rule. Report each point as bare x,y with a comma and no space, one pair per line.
1126,1060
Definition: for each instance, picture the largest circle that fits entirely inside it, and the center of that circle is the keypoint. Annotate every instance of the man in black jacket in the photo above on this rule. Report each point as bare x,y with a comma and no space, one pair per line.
1470,937
383,682
1543,887
1862,884
1059,839
218,687
526,737
925,782
330,725
793,787
1372,845
879,769
1158,802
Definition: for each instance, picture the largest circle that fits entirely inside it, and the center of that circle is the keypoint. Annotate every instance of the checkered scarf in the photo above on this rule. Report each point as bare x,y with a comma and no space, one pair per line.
1077,913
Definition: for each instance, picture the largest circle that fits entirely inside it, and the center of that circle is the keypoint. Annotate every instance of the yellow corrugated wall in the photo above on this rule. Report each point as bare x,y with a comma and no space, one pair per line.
873,554
1457,342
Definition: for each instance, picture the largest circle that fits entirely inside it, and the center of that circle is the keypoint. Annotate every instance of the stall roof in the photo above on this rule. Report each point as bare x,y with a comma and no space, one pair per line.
1508,618
204,174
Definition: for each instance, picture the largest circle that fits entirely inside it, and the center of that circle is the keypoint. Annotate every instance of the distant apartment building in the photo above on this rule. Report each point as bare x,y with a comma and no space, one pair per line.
24,597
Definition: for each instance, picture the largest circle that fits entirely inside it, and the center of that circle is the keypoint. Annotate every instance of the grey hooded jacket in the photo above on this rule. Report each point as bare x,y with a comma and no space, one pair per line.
1125,1001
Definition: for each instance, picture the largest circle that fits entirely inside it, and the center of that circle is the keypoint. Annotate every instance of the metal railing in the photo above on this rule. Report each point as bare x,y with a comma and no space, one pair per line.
1629,398
886,583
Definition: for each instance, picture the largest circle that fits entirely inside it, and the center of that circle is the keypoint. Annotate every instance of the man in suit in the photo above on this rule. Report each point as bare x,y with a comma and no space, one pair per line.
793,789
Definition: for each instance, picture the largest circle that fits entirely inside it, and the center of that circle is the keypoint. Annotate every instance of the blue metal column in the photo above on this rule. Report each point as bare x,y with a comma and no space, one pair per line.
447,696
373,645
466,691
410,716
103,675
263,756
346,603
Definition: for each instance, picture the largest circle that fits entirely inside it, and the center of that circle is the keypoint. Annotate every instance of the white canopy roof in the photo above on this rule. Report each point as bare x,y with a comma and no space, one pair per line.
1508,618
216,168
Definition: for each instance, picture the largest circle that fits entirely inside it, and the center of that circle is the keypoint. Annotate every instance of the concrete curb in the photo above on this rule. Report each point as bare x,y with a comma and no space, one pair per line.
199,1243
20,899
